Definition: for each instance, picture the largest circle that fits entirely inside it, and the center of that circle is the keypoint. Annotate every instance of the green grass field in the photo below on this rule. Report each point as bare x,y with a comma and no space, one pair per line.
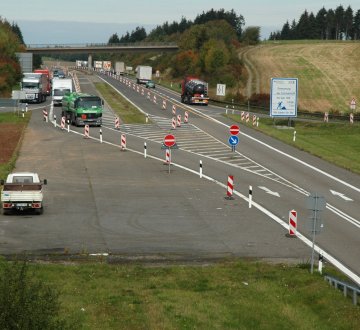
229,295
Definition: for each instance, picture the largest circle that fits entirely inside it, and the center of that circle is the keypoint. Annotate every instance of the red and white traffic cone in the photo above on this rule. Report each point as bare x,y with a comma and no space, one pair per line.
230,187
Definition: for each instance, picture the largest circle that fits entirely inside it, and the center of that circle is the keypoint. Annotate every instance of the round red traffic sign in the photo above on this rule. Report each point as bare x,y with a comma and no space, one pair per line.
234,129
169,140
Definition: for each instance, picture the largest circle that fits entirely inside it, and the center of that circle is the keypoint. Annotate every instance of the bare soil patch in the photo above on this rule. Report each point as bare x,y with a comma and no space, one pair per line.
10,135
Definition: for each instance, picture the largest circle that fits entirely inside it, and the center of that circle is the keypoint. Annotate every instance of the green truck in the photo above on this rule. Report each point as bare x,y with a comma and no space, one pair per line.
82,109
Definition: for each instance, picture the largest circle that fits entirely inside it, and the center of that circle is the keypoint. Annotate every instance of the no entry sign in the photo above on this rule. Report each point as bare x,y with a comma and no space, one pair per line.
169,140
234,129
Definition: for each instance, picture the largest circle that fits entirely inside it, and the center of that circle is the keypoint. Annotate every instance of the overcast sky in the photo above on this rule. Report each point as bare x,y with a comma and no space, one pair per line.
82,21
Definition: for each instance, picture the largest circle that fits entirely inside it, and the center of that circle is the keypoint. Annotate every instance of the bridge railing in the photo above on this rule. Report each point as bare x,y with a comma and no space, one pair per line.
137,44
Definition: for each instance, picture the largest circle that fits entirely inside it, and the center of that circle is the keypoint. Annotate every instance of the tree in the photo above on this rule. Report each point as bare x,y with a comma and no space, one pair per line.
348,23
285,32
339,22
251,35
320,19
15,28
114,39
356,26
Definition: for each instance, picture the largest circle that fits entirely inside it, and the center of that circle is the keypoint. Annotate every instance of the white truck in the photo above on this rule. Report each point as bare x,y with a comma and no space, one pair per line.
59,88
119,68
35,87
22,191
143,74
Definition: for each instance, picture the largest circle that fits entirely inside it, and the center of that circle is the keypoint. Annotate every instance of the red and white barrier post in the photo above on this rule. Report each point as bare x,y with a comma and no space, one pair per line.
45,113
173,123
164,104
230,187
326,117
247,117
123,142
86,131
117,122
254,120
174,109
242,115
62,122
167,156
351,118
155,99
292,223
178,123
186,117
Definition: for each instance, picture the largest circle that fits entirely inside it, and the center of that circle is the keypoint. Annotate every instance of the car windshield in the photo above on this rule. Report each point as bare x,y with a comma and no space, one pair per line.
22,179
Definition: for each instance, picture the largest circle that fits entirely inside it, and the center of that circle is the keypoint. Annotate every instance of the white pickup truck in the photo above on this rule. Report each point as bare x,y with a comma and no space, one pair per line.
22,191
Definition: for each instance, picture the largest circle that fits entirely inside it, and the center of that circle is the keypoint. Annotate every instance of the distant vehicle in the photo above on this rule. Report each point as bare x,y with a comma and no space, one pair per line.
82,109
194,91
143,74
119,68
48,85
22,191
150,84
60,87
35,87
61,74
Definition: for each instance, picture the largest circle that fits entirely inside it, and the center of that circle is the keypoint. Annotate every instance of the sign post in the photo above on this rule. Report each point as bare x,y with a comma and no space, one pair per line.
283,97
169,141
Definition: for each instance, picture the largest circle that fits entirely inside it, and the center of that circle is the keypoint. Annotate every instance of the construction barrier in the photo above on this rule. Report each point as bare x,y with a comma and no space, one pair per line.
117,122
164,104
62,122
123,142
186,117
155,99
45,113
86,131
351,118
230,187
326,117
247,117
242,115
174,109
167,156
178,124
292,223
254,120
173,123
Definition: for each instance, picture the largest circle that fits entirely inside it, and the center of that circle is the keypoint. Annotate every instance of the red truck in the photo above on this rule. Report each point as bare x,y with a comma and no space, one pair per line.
194,91
47,73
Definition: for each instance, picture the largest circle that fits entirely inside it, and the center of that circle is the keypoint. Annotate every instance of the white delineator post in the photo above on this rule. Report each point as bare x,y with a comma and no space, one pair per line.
320,265
54,120
123,142
100,132
250,197
200,169
145,149
294,138
292,223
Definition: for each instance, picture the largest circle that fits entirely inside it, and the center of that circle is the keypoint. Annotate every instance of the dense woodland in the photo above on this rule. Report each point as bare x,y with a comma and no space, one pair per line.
338,24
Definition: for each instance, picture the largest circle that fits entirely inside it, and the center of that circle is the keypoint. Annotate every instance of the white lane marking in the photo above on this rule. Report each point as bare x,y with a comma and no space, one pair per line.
268,191
335,193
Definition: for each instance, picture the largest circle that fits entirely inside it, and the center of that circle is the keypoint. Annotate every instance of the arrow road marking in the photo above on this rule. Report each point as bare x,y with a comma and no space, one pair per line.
335,193
268,191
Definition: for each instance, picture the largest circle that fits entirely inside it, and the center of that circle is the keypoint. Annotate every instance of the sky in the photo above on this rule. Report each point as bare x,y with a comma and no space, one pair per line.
90,21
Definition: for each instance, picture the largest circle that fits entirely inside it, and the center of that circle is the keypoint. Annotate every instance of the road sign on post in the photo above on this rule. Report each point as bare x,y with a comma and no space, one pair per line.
233,140
169,140
234,129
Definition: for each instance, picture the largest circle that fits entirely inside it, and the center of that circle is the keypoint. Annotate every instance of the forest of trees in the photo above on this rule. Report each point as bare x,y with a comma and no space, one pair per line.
10,43
338,24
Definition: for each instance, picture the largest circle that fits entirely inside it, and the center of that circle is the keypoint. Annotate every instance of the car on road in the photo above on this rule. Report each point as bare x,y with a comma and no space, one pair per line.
150,84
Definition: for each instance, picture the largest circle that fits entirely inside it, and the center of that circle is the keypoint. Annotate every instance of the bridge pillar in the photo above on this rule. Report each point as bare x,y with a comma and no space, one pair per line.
90,61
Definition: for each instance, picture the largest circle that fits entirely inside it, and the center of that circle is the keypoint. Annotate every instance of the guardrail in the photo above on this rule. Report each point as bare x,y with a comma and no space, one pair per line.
348,289
136,44
8,103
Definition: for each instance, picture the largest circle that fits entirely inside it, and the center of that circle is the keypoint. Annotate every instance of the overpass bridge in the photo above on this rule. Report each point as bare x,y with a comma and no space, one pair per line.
91,49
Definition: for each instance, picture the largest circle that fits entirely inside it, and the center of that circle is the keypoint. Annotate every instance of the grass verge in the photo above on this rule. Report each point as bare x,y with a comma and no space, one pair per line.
337,143
126,111
229,295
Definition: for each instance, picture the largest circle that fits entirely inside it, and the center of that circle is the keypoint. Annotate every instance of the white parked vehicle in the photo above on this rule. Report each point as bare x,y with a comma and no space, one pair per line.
22,191
59,88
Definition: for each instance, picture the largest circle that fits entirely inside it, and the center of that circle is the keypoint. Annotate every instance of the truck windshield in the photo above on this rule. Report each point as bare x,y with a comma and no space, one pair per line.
89,103
22,179
61,92
30,85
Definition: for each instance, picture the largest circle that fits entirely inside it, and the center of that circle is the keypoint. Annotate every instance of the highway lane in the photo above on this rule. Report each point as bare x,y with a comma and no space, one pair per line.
302,176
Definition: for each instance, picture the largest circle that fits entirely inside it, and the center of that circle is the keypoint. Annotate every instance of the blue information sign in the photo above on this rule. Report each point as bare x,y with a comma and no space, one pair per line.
233,140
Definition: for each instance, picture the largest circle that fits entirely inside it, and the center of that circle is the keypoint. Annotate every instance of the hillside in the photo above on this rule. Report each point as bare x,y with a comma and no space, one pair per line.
328,71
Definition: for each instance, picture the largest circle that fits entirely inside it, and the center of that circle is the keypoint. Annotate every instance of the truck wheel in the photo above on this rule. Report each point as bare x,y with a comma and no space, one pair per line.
39,211
6,212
